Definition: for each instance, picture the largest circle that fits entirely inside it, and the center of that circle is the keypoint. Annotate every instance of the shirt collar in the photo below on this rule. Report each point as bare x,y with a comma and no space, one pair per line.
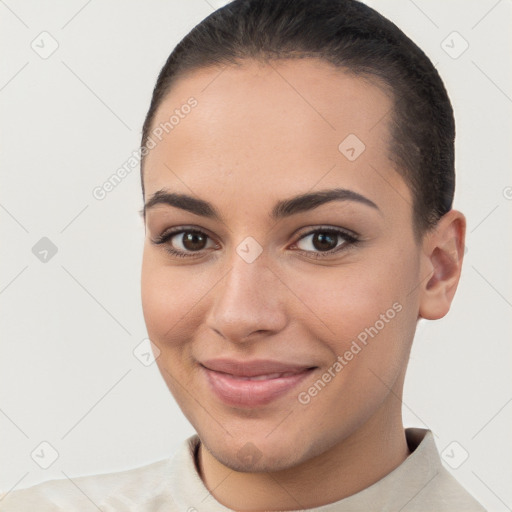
393,492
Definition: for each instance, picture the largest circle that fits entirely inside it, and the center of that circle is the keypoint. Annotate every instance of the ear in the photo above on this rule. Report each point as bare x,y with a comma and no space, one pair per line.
441,262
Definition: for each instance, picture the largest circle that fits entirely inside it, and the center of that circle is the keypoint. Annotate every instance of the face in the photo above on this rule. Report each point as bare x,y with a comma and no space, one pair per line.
325,288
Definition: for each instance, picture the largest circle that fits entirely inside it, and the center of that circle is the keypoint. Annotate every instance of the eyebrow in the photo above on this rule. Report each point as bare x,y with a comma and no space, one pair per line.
283,208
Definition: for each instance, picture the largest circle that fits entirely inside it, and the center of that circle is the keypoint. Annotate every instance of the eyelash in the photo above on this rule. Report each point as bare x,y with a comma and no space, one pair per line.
350,240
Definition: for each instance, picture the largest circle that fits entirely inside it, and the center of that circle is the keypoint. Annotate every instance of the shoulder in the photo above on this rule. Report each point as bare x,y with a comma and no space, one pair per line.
446,493
433,486
85,493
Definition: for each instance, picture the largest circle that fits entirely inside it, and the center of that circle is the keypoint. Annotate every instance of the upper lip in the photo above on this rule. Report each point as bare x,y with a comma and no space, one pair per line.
254,367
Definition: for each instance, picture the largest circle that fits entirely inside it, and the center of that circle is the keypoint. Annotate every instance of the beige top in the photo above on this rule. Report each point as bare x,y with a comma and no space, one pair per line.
420,483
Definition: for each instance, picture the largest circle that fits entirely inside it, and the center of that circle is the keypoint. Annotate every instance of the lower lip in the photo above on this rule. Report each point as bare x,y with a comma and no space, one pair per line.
251,393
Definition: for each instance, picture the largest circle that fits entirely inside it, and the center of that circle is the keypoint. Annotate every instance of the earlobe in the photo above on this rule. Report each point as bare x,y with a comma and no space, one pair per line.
443,253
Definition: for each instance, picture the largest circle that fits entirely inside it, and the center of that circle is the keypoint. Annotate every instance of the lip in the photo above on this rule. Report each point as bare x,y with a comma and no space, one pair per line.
253,368
235,390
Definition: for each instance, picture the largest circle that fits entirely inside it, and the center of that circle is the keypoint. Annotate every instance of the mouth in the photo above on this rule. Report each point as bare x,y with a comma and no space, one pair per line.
249,391
262,377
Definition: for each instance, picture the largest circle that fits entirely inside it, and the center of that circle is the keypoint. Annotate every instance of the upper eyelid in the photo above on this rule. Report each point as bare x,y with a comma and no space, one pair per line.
302,231
310,230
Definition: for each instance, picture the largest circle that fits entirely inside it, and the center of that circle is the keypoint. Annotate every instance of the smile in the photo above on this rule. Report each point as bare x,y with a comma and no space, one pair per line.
255,391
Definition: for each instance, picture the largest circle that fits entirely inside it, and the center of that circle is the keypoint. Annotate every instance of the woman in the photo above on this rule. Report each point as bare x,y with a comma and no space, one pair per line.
298,179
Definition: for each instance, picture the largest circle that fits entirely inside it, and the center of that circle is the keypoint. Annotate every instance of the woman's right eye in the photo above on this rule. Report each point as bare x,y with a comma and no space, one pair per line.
189,242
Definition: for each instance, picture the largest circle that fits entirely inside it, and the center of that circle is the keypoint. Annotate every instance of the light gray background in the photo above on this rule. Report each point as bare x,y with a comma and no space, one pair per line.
68,375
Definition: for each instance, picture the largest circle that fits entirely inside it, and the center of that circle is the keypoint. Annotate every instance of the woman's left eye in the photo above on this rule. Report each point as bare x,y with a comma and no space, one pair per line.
319,242
325,241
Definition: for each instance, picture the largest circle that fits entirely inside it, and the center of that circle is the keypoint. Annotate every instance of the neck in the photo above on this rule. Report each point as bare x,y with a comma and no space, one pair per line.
353,464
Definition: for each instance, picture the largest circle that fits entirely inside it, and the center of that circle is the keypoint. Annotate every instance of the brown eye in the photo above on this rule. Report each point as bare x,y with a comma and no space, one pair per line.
325,241
184,242
193,240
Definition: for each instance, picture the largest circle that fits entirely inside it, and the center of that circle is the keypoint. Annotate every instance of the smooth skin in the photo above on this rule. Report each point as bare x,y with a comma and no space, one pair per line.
261,133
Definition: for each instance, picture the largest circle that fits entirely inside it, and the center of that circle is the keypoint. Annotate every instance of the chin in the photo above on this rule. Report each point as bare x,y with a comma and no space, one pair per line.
255,456
253,460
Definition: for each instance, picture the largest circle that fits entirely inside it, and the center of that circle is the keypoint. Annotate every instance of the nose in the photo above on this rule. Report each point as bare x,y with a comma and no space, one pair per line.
248,301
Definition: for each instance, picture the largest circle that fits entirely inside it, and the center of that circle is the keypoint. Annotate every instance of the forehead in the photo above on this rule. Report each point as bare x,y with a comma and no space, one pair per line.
269,127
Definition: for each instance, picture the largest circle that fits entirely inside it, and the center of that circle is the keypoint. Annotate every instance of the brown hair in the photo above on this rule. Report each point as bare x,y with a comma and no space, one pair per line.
356,38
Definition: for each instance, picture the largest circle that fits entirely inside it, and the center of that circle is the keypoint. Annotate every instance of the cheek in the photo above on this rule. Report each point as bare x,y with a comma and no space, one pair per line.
365,311
371,325
171,304
168,298
347,300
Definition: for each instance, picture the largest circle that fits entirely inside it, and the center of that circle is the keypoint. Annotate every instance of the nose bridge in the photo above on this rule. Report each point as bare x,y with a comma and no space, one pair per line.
247,299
